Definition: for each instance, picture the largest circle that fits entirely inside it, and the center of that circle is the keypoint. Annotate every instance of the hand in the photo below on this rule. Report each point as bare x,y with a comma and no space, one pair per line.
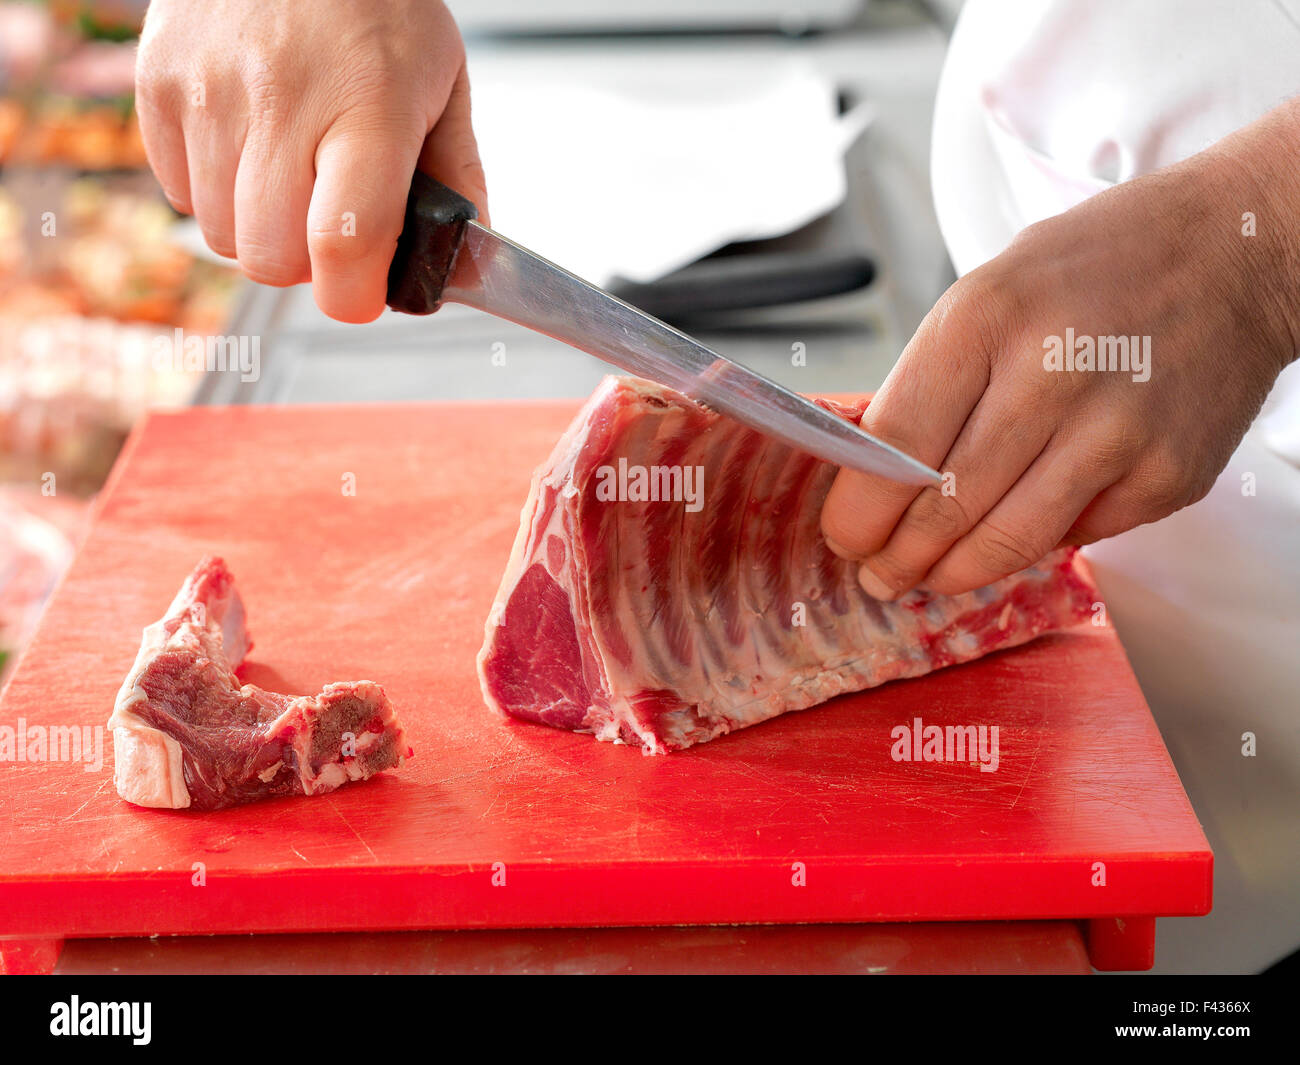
291,131
1042,457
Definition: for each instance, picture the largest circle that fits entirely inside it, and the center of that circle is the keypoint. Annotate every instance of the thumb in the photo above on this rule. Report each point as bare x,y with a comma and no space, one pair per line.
450,152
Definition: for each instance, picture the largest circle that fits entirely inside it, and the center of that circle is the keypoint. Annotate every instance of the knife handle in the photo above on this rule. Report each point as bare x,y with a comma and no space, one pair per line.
431,236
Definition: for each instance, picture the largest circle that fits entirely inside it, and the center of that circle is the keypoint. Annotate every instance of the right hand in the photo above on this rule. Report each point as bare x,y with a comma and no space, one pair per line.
291,131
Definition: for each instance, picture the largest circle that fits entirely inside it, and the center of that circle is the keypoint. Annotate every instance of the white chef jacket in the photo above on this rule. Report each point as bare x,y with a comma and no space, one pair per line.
1041,104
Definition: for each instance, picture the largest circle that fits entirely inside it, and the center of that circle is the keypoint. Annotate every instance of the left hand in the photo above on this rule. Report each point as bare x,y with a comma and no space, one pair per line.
1042,457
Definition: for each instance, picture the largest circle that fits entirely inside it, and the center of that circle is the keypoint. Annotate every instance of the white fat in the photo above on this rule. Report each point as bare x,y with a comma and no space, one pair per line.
329,778
147,767
366,740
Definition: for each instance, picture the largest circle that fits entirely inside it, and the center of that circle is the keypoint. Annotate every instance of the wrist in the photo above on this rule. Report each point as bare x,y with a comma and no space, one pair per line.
1258,170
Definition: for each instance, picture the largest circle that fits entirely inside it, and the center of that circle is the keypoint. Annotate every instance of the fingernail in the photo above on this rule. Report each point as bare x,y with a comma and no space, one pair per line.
874,586
839,549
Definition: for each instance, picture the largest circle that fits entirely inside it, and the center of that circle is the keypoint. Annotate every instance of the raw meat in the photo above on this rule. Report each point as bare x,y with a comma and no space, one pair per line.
665,622
187,734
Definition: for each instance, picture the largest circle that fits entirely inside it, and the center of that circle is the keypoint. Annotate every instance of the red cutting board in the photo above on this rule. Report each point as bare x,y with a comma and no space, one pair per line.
507,824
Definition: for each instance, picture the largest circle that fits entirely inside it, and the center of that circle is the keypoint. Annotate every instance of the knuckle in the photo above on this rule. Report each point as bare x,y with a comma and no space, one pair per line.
939,518
333,247
1080,535
375,60
1163,483
893,570
988,307
1168,498
1113,448
276,277
275,88
884,420
851,537
1001,551
1106,517
1167,493
373,64
861,511
221,241
881,421
156,91
278,267
267,99
1199,490
1033,236
180,202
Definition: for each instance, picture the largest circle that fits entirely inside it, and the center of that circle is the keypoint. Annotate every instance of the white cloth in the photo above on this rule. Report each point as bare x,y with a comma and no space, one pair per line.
1043,103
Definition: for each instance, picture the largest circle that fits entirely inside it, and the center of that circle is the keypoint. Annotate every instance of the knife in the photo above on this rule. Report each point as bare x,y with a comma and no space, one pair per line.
443,254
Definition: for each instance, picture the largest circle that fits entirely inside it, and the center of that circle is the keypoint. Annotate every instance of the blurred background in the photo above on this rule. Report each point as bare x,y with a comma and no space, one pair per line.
686,153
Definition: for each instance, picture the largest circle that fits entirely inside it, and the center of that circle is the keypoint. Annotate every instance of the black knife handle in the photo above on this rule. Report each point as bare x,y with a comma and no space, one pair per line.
431,236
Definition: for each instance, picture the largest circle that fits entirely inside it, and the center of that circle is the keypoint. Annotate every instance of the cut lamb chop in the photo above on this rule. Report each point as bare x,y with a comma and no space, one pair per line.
187,734
645,611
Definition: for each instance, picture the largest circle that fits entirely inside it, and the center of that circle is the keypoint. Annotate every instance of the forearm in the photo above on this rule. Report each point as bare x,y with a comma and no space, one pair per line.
1254,188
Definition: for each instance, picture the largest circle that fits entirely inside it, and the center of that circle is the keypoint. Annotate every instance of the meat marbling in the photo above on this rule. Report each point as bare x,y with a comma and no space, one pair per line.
659,624
187,734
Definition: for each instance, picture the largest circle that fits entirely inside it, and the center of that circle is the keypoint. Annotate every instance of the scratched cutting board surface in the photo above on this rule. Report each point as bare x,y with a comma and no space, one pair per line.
495,823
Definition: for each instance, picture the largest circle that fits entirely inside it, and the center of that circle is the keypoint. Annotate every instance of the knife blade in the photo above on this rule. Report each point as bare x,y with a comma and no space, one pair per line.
443,254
